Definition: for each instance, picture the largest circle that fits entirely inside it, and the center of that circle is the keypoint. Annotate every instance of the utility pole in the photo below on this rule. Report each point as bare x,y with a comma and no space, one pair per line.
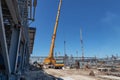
77,54
65,54
64,47
55,54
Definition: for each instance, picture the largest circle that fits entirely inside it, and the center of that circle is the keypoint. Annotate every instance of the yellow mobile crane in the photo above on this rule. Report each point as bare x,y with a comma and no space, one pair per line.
50,61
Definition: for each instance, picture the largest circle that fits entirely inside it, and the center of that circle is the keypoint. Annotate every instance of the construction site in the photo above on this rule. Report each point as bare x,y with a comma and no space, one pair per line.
17,38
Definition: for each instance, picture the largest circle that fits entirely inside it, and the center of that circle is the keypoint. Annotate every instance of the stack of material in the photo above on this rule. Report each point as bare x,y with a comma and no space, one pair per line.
114,74
91,73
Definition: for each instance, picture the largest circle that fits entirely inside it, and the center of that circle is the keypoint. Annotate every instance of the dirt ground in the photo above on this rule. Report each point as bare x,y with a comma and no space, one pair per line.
71,74
67,74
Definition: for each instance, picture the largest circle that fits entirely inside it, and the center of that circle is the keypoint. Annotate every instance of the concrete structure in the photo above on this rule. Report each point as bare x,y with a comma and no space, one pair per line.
16,38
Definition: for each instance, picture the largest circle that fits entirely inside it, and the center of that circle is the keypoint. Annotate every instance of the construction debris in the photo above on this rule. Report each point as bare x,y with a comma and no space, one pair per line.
91,73
105,77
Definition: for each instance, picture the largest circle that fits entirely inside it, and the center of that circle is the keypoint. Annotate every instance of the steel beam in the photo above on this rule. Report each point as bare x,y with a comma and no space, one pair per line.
22,55
12,10
27,55
23,61
14,48
3,43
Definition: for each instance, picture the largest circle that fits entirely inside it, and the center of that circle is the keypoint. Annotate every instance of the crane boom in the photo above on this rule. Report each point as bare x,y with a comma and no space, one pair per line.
55,30
50,59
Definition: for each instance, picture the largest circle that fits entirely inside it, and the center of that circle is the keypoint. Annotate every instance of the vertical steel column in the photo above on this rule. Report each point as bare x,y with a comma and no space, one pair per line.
27,52
24,58
3,43
24,55
20,55
14,48
27,55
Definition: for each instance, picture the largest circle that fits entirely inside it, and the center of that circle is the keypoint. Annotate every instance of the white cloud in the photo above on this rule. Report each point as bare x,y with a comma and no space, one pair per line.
110,18
111,21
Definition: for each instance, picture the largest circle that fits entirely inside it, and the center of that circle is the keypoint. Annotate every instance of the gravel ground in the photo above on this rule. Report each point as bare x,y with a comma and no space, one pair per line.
71,74
66,74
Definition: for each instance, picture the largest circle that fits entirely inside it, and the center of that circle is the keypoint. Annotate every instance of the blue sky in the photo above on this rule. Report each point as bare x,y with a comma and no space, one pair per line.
99,20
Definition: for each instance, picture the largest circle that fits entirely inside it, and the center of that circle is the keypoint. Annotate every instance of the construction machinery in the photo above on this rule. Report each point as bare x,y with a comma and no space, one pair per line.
50,60
59,63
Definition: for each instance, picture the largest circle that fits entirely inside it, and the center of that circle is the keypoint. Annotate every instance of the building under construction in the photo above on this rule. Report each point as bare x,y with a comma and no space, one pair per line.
16,46
16,37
